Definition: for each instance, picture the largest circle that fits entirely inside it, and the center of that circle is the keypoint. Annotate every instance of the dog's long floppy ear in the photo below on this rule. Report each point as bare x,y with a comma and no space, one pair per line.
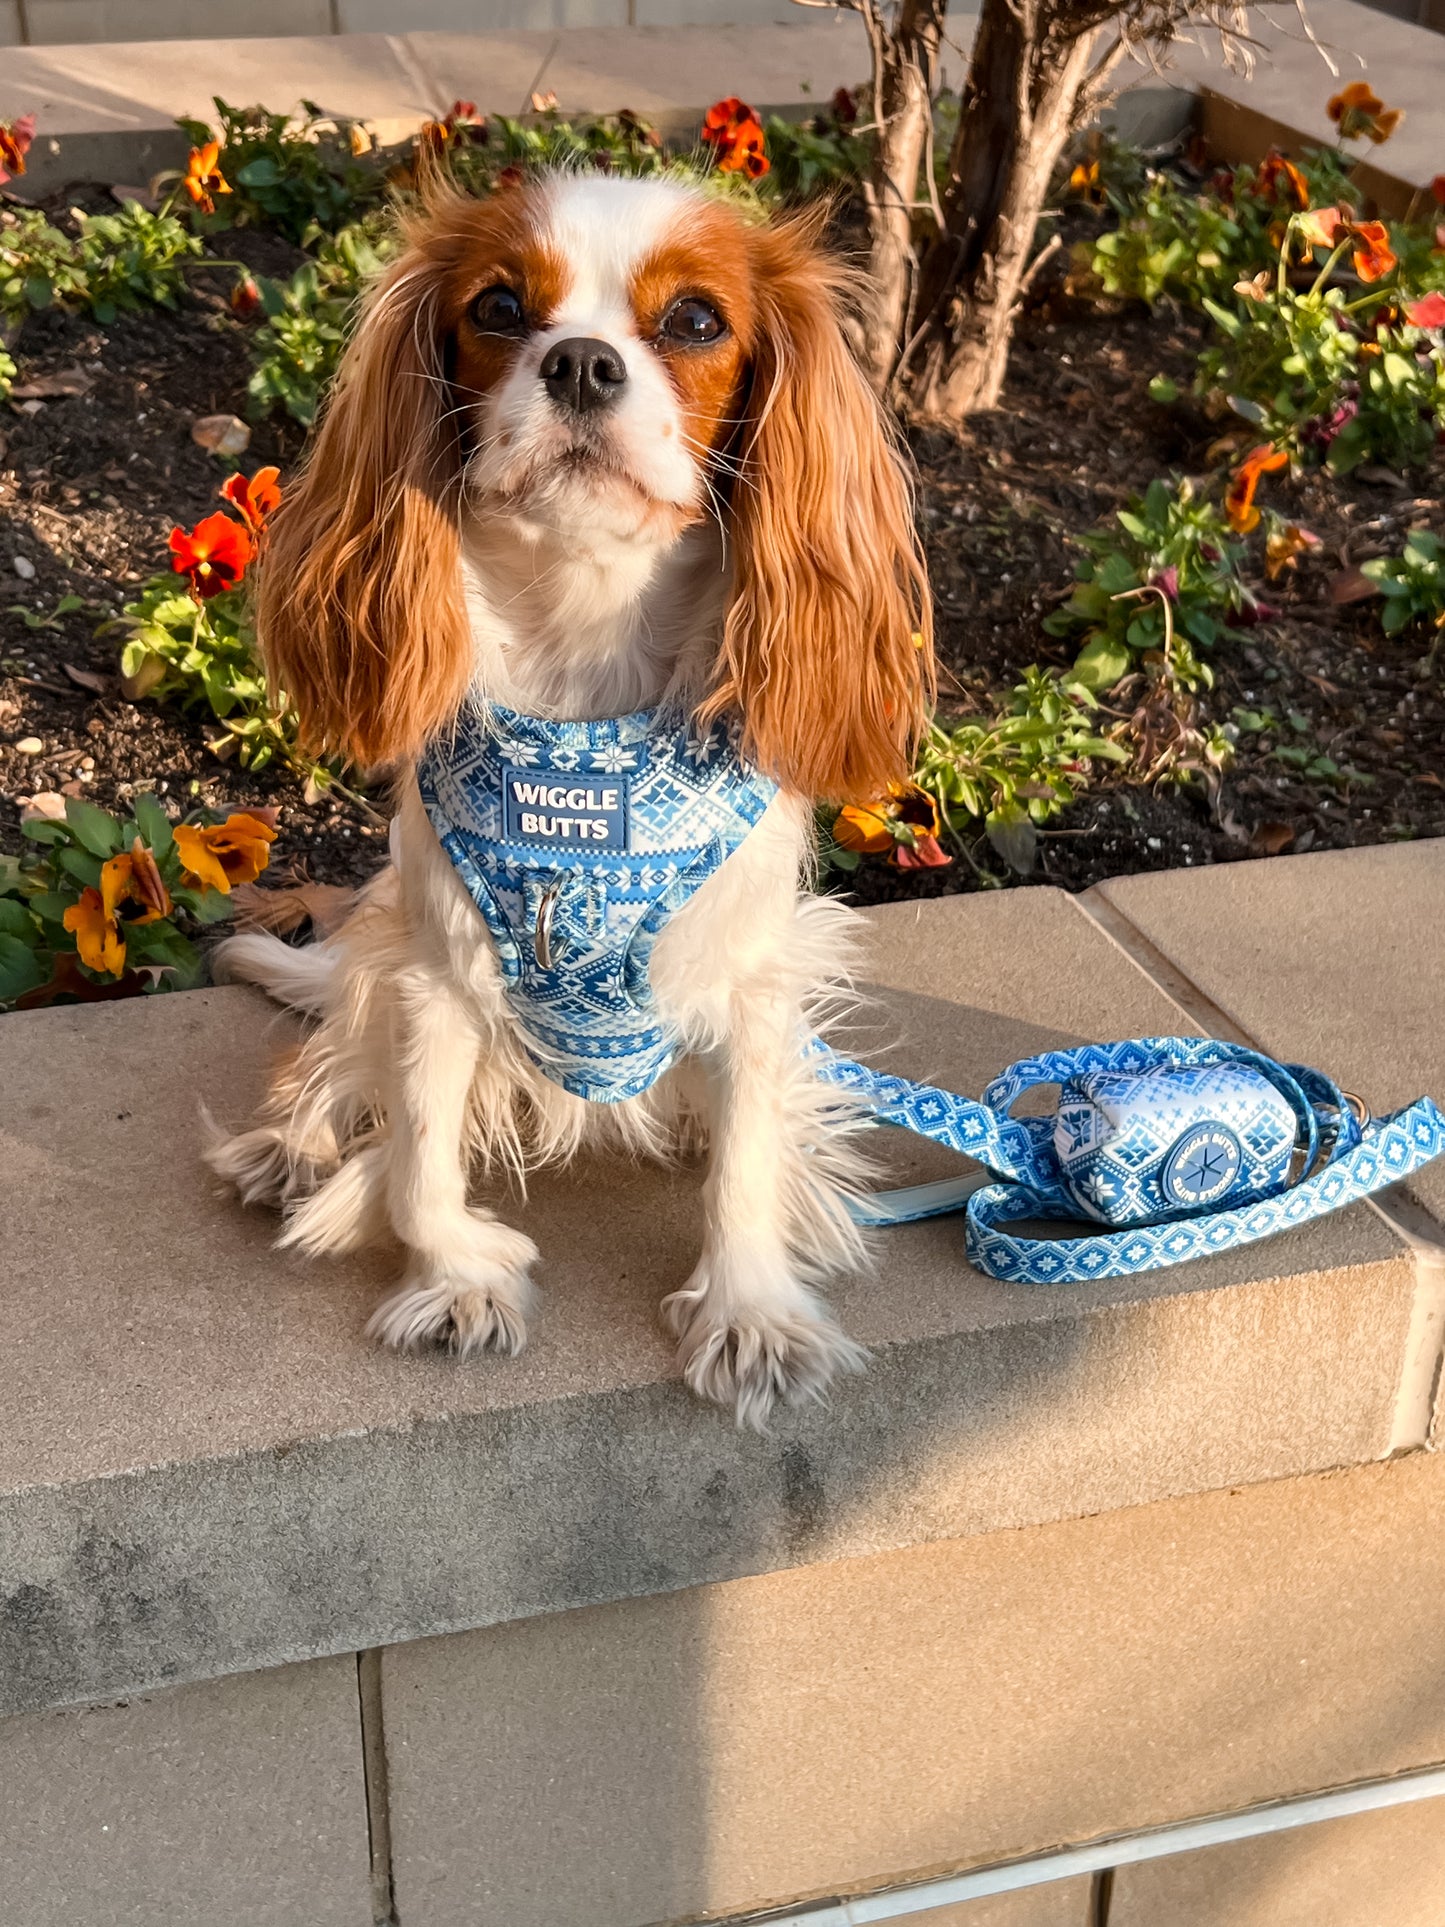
827,652
362,622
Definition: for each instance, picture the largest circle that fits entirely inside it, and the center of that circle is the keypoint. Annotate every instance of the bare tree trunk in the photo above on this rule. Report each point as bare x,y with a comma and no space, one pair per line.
1019,104
905,74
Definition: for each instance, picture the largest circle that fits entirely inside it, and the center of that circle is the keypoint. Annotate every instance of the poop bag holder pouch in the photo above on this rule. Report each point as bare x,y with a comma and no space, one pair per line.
1178,1138
1174,1146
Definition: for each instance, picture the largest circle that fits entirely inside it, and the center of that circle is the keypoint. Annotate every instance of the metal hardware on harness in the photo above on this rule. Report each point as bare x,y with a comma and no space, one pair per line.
542,933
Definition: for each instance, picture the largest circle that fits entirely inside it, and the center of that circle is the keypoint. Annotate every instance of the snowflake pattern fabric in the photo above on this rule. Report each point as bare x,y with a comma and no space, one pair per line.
577,841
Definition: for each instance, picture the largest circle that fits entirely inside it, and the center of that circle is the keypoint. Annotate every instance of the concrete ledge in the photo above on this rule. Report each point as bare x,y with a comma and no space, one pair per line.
206,1468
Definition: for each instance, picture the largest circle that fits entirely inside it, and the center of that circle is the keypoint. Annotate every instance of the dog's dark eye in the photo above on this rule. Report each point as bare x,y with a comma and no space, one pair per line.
692,320
499,311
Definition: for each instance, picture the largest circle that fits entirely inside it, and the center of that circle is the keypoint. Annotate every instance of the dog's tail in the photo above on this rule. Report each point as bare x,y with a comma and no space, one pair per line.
299,977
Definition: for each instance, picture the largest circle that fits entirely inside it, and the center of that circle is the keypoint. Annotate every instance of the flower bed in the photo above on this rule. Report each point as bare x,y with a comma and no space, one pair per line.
1189,577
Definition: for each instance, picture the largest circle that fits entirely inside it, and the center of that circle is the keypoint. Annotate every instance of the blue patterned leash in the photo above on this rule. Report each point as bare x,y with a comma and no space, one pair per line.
1182,1146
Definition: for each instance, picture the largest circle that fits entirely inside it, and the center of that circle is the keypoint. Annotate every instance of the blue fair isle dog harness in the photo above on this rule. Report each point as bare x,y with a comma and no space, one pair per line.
577,842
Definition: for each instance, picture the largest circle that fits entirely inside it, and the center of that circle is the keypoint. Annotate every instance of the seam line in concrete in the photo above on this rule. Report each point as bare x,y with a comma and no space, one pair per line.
1423,1363
1101,1897
1162,971
377,1784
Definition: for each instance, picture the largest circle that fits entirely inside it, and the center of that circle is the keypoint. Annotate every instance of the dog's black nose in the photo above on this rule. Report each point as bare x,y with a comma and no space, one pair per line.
583,373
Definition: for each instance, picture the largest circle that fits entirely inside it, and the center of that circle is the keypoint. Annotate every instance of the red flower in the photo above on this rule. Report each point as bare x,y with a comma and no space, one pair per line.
245,297
460,121
735,134
1437,188
15,139
257,498
215,555
1428,312
722,117
1239,497
926,854
1279,179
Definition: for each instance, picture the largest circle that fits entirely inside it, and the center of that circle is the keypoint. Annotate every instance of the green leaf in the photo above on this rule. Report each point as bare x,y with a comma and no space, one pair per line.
262,172
1116,575
1163,389
153,823
42,829
80,864
206,906
1012,833
1229,323
50,905
15,919
1101,663
95,829
1248,410
20,969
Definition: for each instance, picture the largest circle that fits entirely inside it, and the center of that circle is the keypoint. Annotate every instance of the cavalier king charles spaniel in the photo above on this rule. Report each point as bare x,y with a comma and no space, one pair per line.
598,445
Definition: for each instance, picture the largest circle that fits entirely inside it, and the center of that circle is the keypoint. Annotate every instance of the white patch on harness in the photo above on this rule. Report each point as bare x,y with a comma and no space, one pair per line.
562,809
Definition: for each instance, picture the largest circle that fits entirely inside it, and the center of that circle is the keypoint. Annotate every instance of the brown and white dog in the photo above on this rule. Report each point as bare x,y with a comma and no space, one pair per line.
597,445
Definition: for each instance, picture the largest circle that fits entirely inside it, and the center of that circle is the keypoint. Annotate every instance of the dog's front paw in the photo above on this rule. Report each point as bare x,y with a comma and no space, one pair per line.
476,1303
750,1351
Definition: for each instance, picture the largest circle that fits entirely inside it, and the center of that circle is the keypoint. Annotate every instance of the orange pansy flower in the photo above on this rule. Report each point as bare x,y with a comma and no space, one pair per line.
223,854
904,825
1084,181
203,179
257,497
1284,546
1280,179
1358,109
1428,312
1372,254
1239,497
215,554
98,940
15,139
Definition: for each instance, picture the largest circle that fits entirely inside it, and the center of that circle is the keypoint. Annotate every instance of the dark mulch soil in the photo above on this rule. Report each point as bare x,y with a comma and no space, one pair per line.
1076,436
90,487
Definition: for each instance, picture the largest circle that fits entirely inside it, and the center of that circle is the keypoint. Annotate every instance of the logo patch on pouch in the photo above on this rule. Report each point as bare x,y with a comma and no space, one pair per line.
564,810
1202,1166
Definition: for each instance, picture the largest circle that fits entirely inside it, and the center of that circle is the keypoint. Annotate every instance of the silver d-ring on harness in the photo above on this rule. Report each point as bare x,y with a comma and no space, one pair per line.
1361,1109
542,932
